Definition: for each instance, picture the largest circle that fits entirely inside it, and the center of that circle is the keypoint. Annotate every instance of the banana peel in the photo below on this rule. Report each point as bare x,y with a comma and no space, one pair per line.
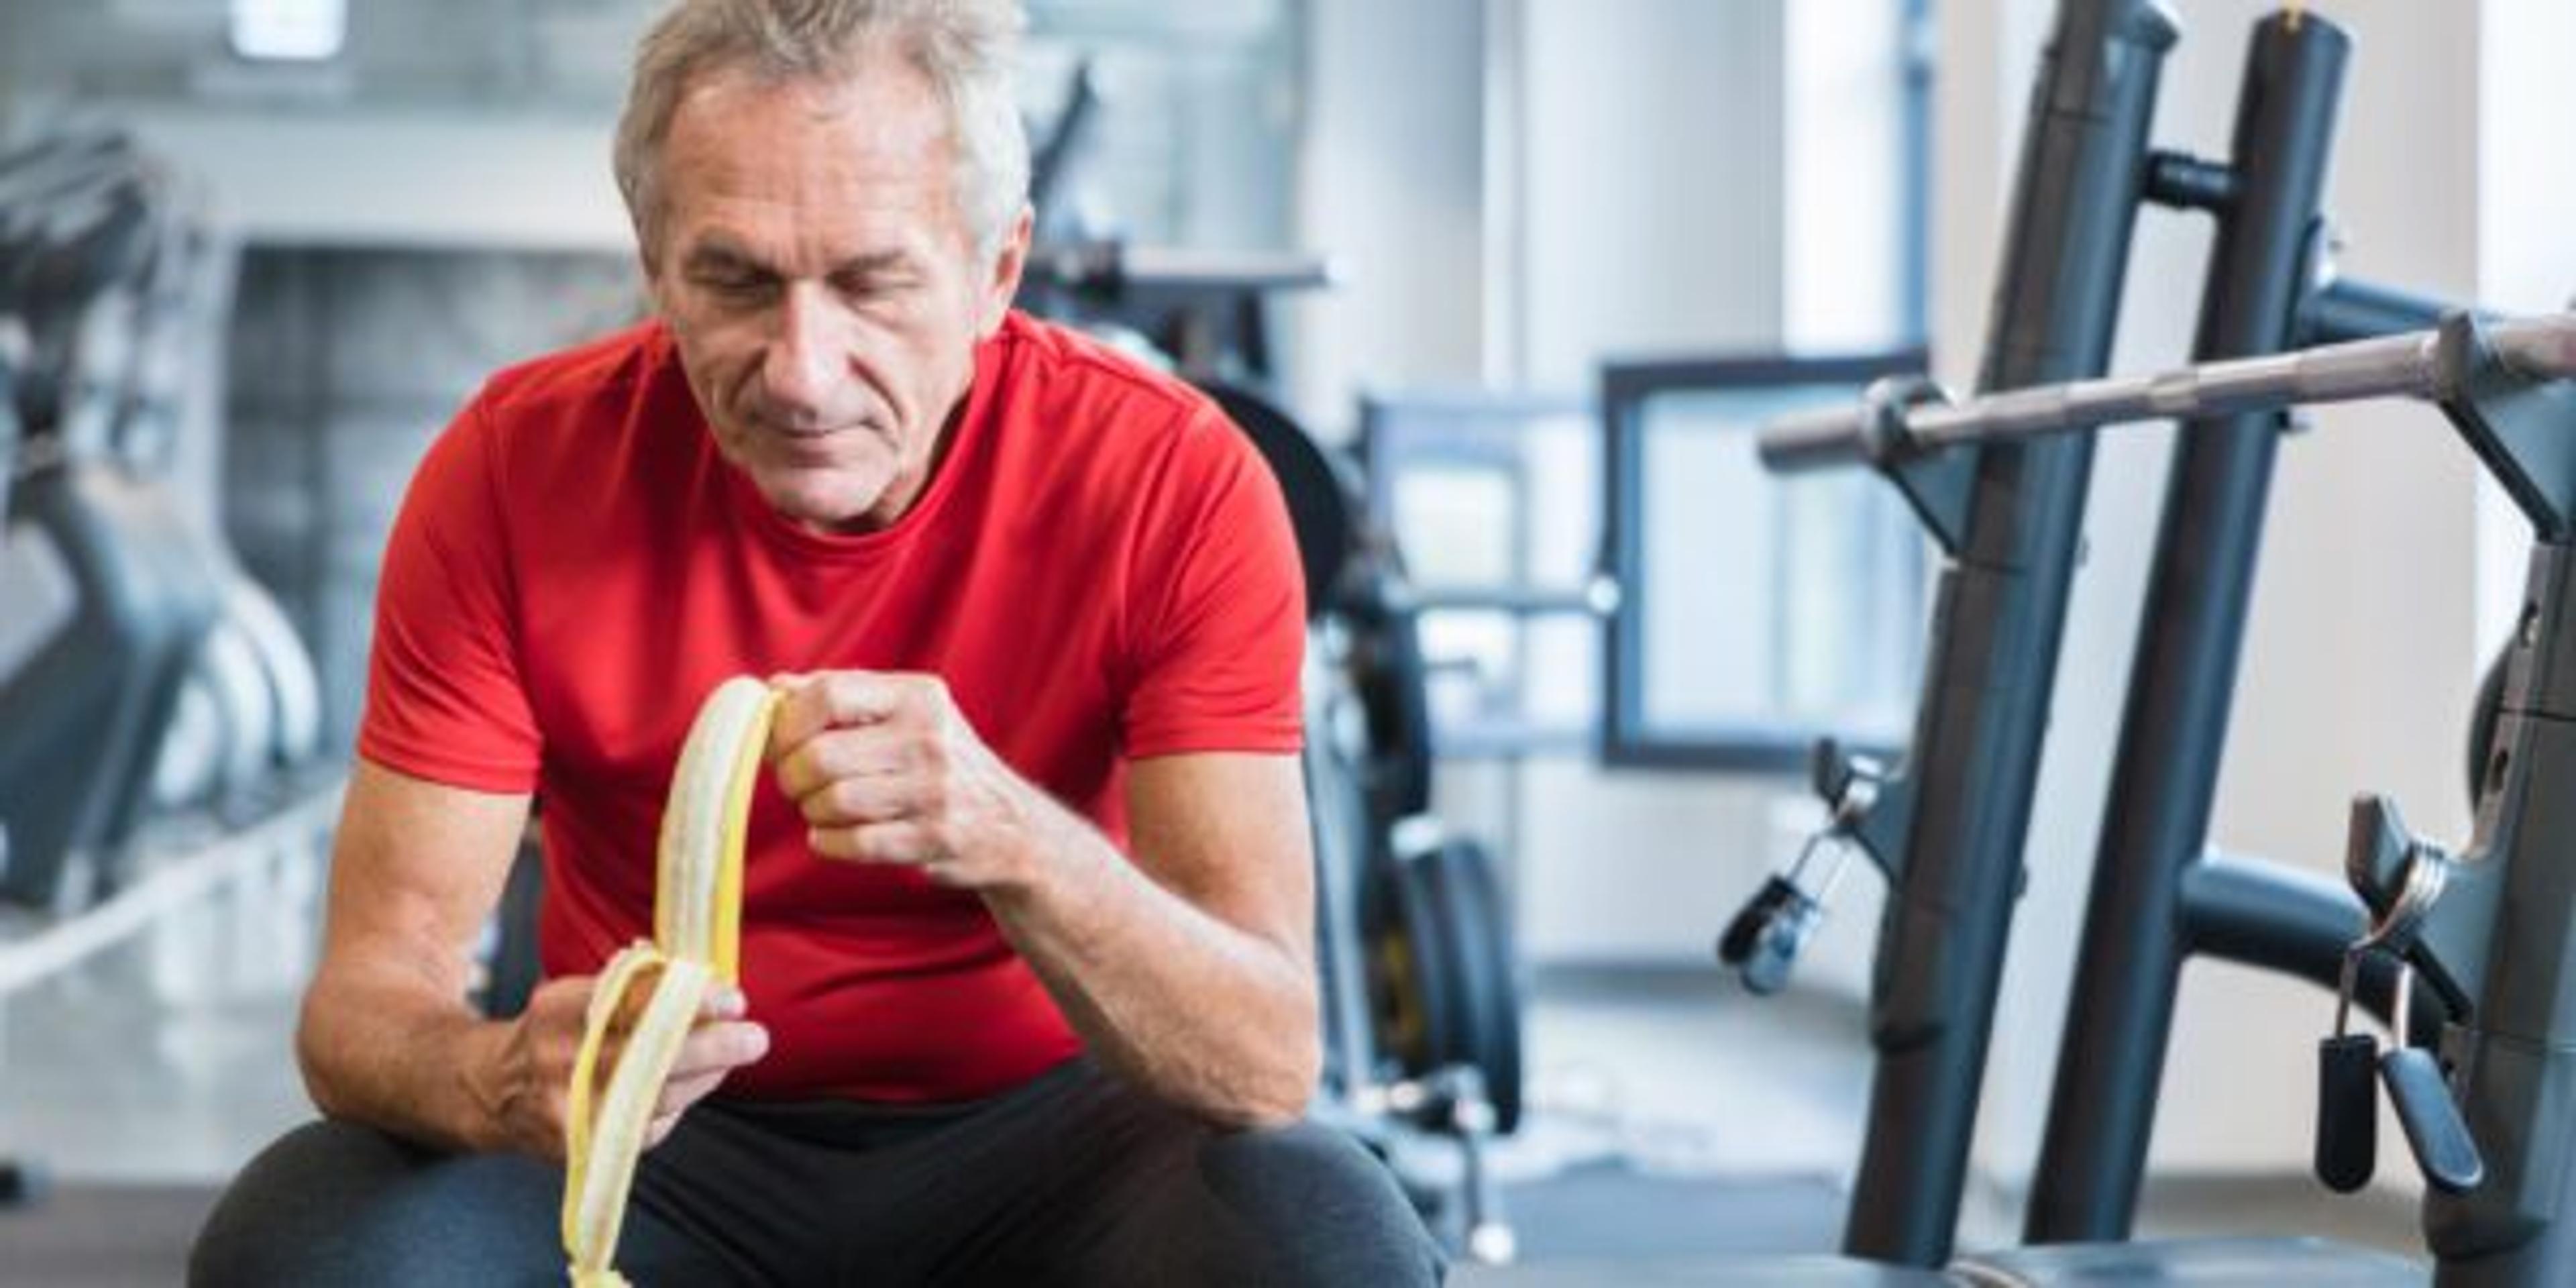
649,995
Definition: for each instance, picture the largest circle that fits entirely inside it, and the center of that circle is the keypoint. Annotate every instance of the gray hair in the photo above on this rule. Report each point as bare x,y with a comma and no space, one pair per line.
965,47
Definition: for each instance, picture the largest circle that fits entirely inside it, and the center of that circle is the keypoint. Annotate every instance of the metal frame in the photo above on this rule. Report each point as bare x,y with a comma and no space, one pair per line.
9,445
2499,948
2411,365
2155,898
1627,740
2159,893
1947,829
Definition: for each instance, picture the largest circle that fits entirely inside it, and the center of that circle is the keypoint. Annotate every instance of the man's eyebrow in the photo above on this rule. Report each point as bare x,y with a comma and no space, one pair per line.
718,255
870,265
724,256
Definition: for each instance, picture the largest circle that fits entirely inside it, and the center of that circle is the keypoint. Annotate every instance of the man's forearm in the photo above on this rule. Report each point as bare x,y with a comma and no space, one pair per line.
379,1052
1206,1015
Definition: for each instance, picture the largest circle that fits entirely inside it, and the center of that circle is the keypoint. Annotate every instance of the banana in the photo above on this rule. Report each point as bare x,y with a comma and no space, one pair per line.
650,993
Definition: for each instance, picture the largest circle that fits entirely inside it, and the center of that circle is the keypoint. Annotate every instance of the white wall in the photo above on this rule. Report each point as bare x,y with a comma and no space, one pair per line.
1650,177
2526,207
1391,185
1651,180
1842,261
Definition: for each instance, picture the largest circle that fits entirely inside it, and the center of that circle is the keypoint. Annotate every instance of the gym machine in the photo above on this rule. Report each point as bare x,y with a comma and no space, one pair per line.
1946,826
101,553
2158,895
2490,932
151,696
144,672
1203,314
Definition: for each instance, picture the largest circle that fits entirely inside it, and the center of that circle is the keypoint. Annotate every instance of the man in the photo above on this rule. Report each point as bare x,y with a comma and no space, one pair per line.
1027,983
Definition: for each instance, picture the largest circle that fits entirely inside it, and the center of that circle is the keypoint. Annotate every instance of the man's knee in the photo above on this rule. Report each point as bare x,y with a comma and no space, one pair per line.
336,1203
1327,1211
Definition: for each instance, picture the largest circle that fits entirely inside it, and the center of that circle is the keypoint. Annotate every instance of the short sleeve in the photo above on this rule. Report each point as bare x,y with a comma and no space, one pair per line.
445,698
1217,614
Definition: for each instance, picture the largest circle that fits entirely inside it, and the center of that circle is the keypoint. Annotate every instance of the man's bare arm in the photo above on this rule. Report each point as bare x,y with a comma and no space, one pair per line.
387,1036
1190,969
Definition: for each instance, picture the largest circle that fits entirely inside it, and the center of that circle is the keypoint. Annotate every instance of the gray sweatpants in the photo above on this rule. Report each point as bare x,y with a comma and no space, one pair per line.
1072,1179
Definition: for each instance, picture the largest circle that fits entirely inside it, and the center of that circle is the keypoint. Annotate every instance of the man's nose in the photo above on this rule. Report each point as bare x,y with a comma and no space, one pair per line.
806,356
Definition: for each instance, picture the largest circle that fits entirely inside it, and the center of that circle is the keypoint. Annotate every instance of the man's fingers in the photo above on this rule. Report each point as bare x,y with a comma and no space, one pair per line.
718,1047
571,992
685,1088
868,751
877,798
895,842
838,699
802,713
680,1093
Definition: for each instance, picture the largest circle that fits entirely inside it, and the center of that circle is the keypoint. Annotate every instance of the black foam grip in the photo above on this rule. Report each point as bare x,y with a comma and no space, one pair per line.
2347,1111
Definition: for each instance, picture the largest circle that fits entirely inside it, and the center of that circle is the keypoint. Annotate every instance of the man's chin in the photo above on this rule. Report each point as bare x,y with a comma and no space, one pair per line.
839,505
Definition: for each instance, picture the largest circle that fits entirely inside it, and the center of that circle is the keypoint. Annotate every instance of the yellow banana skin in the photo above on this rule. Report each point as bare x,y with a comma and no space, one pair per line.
696,947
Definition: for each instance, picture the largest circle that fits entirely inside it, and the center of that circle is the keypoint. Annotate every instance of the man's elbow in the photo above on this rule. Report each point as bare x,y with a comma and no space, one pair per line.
1277,1094
1268,1115
313,1057
327,1040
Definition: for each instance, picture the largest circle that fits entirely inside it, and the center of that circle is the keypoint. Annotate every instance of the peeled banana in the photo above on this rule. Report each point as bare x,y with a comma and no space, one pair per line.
649,995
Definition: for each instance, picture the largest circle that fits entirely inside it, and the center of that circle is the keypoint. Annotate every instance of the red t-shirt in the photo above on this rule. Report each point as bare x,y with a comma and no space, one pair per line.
1101,569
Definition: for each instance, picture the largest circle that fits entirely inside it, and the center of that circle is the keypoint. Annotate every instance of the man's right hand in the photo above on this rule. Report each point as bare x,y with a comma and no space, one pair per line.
387,1037
525,1082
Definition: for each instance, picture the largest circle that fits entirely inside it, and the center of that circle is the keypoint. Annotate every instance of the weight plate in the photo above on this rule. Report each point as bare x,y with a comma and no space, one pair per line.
1320,506
1484,982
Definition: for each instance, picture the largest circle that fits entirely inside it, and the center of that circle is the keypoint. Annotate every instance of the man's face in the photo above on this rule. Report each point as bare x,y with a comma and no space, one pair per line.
819,279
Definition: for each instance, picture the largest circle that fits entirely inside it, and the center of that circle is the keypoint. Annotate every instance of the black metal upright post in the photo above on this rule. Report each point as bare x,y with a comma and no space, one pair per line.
1999,616
2183,682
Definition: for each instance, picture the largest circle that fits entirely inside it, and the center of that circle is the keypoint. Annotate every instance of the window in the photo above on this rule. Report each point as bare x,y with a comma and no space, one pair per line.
1756,613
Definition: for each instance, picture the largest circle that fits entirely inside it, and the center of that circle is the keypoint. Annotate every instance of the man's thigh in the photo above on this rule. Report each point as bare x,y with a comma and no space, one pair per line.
335,1203
1076,1178
1098,1183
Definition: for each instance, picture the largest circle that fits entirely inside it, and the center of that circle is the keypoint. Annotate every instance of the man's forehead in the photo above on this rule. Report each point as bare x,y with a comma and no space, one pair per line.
879,91
749,136
802,174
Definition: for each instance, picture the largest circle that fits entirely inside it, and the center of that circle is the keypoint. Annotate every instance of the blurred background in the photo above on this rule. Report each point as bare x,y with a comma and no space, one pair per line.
1526,273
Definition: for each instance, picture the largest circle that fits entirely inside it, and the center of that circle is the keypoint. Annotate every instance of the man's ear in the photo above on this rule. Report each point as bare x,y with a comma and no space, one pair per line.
652,287
648,262
1004,285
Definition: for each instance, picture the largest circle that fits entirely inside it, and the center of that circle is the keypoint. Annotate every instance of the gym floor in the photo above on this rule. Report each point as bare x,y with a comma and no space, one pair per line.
140,1080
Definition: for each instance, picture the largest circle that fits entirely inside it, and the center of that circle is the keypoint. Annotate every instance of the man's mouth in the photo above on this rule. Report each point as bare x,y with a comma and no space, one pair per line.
811,447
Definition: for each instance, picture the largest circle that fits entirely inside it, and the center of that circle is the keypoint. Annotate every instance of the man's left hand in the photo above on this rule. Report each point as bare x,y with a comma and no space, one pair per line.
886,769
